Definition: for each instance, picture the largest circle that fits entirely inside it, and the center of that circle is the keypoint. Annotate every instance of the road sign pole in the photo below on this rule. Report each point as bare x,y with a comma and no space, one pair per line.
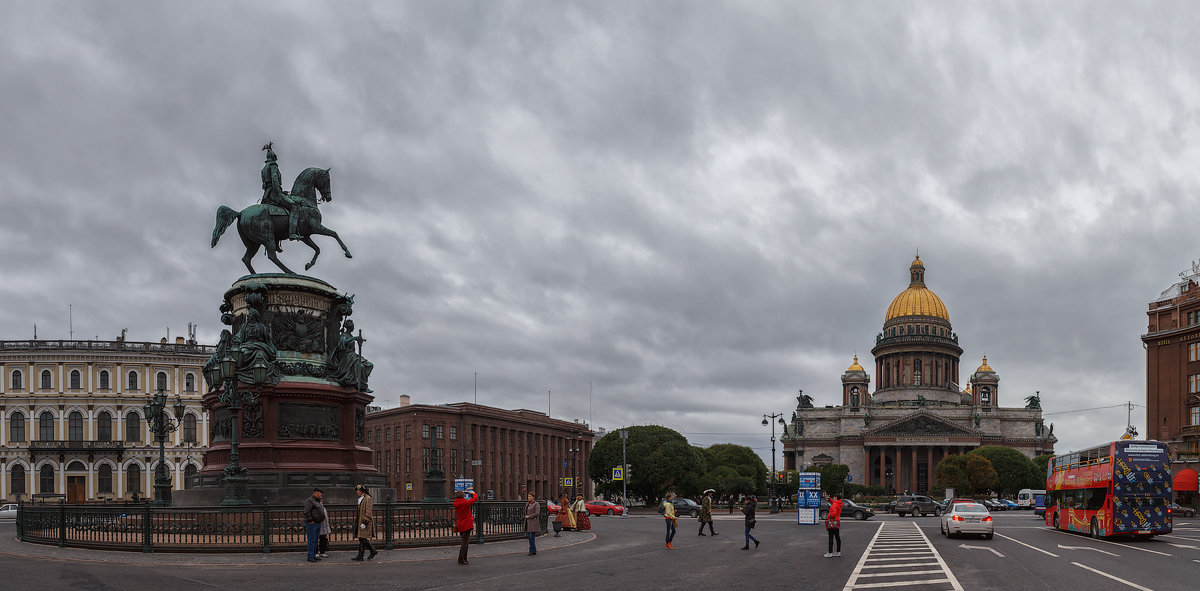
624,471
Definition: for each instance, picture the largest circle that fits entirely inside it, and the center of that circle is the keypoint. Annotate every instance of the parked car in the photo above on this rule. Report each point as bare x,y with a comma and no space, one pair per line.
8,511
889,507
917,505
1176,510
1009,504
599,507
849,509
967,518
686,507
992,505
552,507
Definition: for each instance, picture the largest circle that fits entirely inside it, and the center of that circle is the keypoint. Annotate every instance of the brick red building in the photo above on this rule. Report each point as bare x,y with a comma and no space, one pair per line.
506,452
1172,343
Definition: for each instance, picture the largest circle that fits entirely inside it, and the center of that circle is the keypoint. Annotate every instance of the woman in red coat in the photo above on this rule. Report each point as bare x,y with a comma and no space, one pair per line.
463,522
833,524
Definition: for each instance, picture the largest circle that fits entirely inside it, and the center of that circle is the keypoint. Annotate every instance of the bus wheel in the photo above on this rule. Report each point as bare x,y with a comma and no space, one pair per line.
1055,521
1095,529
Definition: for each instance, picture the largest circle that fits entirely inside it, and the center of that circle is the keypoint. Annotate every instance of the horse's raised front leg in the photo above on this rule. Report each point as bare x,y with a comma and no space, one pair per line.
316,252
270,248
322,230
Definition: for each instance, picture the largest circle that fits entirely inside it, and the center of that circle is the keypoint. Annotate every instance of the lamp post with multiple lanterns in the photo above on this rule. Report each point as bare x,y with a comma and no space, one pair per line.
162,424
232,398
774,502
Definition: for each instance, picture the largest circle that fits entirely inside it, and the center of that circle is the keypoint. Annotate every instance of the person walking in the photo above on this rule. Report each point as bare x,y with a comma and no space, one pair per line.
748,509
532,522
463,521
731,503
313,516
364,523
579,508
565,515
833,525
706,512
668,505
323,538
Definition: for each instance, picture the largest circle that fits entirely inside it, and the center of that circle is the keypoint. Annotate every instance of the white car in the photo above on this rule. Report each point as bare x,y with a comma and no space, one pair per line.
8,511
967,518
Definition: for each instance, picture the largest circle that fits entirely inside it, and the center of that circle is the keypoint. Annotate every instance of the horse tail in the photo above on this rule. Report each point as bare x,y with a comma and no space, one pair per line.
225,216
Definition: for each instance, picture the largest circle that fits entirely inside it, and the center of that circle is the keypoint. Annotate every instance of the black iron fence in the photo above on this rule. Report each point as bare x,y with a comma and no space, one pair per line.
256,528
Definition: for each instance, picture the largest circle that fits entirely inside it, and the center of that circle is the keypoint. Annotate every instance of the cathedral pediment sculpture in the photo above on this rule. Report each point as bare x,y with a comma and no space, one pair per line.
921,424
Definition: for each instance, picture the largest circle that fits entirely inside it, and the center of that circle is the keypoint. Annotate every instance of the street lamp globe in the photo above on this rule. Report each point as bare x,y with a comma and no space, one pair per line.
764,422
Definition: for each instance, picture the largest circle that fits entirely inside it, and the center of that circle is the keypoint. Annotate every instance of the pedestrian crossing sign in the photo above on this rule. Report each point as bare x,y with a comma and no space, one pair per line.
568,481
407,486
618,474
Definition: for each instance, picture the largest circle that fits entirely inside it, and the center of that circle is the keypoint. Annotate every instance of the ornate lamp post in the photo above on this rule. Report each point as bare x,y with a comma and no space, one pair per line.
575,463
232,399
774,503
161,424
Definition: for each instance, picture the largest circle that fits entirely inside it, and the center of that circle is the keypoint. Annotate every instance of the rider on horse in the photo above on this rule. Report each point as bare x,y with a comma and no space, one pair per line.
273,193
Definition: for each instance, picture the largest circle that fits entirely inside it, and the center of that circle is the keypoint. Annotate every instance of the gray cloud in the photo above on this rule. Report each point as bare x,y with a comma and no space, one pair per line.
695,209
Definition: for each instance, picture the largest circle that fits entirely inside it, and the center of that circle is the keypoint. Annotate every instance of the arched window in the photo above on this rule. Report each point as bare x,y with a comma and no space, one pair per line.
17,484
189,382
985,396
916,372
75,426
46,426
17,381
75,379
46,484
854,396
133,479
188,473
189,428
104,426
46,379
104,380
160,380
132,382
76,466
133,428
16,427
105,478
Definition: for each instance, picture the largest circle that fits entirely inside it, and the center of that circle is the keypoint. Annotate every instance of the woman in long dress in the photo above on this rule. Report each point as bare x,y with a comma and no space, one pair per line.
579,508
565,516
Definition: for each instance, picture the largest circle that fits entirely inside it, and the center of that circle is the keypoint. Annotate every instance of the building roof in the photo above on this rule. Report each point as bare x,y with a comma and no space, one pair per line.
917,300
855,366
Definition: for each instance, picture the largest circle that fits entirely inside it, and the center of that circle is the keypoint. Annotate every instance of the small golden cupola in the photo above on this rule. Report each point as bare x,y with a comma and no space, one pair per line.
855,366
984,366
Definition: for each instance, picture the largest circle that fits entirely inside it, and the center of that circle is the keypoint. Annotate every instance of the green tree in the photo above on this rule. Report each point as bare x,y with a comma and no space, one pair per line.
833,477
967,474
1040,463
659,460
1014,470
751,472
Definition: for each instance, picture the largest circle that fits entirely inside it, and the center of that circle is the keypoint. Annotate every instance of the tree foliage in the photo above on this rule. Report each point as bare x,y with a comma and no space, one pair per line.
749,472
1040,463
833,477
967,474
658,460
1014,470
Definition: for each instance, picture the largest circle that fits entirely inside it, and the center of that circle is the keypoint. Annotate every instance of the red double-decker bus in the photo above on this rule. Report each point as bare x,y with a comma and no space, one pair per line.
1121,488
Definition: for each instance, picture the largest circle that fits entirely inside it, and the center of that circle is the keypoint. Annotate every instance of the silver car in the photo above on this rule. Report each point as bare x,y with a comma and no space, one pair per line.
967,518
8,511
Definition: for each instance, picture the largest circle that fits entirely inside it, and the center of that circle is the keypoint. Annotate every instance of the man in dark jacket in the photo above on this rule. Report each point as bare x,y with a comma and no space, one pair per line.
313,516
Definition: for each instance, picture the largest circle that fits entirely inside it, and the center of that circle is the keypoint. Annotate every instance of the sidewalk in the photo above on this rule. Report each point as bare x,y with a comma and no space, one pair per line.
10,546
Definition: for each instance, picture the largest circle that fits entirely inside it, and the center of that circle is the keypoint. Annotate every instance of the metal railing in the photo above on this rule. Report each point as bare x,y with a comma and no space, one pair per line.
136,347
257,528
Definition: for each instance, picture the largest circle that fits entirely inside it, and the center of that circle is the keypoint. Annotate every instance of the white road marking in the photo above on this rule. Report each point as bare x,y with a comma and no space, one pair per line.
1088,548
900,543
992,550
1175,537
1113,577
1027,545
1074,535
1186,546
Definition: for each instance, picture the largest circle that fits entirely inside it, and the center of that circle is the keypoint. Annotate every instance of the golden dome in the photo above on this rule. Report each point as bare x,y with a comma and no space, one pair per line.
917,300
985,366
855,366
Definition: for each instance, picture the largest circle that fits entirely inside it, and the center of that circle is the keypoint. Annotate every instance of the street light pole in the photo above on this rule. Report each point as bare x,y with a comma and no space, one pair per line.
236,477
161,425
774,503
574,463
624,474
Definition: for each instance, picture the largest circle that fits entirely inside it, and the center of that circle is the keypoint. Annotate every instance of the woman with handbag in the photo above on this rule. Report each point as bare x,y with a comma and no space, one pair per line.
748,510
833,525
464,523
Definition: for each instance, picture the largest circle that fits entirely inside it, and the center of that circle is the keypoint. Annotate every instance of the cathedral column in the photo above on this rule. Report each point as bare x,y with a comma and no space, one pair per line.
866,452
899,469
883,468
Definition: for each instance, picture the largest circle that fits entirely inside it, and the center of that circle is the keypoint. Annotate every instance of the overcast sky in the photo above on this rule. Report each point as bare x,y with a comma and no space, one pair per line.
689,209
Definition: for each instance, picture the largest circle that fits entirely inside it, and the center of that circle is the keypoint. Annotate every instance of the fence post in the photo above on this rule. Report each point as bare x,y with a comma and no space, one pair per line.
62,523
146,517
387,525
266,532
20,518
479,519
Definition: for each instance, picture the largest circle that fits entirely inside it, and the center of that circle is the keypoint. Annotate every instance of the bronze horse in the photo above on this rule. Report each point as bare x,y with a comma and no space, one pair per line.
265,225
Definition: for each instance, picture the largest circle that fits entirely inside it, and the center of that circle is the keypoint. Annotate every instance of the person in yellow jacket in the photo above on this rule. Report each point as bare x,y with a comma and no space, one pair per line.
668,505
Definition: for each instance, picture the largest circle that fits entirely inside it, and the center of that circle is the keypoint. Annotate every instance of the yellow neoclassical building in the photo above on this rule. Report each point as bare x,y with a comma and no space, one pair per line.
73,421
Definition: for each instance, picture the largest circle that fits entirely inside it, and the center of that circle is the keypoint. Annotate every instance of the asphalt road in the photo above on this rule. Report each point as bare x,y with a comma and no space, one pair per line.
628,553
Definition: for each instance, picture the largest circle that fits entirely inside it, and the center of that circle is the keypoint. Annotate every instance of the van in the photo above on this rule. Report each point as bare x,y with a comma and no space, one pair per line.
1025,498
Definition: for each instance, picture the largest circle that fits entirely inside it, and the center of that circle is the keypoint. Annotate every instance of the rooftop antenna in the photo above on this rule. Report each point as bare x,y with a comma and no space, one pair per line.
35,331
71,321
191,334
476,387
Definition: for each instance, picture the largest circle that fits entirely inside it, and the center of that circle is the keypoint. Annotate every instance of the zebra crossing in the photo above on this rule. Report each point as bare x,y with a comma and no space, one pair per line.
899,556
